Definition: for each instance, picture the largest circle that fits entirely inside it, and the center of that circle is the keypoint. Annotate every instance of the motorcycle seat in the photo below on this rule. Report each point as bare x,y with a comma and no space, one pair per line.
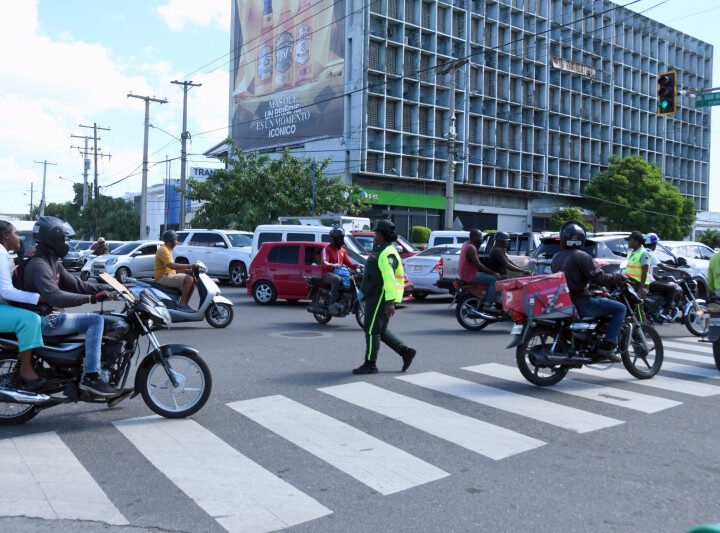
167,290
316,281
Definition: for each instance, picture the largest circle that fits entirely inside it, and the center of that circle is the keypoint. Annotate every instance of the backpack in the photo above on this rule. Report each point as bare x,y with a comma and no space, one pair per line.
18,274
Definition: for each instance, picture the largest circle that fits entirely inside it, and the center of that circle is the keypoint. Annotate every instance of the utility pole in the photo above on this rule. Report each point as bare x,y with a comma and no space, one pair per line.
32,190
95,138
183,150
86,165
42,197
452,135
143,191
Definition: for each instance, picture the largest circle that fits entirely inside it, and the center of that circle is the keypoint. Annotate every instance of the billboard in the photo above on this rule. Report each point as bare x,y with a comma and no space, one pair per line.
287,80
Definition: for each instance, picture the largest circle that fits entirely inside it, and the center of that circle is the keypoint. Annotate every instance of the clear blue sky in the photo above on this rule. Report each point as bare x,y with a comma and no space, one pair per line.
74,61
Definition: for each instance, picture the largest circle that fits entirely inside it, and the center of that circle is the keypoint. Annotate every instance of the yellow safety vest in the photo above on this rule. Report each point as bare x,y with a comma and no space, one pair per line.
634,267
393,280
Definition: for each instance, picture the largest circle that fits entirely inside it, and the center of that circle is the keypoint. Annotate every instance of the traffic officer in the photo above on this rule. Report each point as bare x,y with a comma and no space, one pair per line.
638,267
382,287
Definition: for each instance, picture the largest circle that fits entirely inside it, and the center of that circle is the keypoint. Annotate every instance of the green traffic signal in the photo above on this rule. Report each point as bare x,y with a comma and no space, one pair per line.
667,92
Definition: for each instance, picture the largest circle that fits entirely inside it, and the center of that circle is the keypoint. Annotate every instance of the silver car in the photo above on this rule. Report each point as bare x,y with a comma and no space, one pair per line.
423,270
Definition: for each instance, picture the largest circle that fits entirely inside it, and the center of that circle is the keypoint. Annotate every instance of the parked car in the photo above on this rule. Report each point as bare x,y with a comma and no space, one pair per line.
405,249
74,260
226,253
696,254
439,237
520,243
423,270
131,260
298,233
279,269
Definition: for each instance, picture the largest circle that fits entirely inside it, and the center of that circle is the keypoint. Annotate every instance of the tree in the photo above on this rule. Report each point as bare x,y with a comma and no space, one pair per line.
567,214
116,219
256,189
631,194
711,237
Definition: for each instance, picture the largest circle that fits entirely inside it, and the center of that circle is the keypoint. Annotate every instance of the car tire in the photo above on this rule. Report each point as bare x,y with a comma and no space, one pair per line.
264,292
238,274
420,295
122,274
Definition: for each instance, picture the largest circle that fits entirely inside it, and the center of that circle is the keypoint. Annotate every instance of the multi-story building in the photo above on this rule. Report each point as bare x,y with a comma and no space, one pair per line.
550,90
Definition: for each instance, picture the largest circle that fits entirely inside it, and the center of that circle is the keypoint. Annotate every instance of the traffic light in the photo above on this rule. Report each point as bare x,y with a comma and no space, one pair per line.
667,93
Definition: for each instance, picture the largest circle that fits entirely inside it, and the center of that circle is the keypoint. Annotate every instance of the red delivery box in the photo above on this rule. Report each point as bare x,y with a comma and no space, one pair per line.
544,296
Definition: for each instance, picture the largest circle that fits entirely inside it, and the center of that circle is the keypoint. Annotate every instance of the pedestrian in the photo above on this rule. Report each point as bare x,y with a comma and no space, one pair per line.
382,287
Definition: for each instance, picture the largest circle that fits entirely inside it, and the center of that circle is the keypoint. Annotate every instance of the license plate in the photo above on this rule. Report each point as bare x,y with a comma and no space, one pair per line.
516,329
417,269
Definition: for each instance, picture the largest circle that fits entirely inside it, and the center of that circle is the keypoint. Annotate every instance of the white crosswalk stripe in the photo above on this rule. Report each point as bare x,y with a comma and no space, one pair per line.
610,395
690,370
481,437
692,346
237,492
42,478
519,404
658,381
371,461
686,356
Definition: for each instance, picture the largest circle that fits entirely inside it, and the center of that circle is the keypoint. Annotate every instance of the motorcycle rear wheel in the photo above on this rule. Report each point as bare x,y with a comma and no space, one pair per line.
464,319
634,352
321,318
696,325
538,339
360,314
160,395
12,414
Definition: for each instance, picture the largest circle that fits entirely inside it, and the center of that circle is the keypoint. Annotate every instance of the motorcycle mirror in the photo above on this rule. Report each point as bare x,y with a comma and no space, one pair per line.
624,264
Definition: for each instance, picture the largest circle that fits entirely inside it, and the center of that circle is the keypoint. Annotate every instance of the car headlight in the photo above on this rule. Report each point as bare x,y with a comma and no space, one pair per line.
111,262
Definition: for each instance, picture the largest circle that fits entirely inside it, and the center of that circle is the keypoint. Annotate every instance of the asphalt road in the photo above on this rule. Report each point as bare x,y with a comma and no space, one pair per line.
383,452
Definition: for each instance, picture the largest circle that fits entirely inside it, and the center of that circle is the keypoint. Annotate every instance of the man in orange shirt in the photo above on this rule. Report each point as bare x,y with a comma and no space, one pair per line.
174,275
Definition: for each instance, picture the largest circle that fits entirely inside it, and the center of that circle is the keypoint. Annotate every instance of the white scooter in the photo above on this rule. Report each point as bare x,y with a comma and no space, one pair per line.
213,307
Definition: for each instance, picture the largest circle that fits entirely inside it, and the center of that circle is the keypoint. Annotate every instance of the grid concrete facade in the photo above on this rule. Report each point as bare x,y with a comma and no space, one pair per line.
523,124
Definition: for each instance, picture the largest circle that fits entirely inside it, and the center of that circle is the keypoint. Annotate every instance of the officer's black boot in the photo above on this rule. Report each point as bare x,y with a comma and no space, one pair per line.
407,355
366,368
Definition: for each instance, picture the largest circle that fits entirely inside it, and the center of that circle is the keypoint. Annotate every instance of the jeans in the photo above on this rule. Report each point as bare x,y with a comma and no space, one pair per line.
667,290
334,281
489,279
58,324
604,307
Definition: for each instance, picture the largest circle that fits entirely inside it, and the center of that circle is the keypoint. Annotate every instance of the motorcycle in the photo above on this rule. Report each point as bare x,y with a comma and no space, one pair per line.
714,327
469,300
173,379
685,307
349,297
546,349
213,307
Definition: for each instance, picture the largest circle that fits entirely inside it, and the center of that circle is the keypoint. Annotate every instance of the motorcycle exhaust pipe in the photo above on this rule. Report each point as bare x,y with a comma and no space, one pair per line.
474,313
19,396
316,309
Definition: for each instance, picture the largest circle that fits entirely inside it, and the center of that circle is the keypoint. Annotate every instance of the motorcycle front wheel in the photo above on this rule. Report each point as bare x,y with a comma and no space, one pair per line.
538,341
697,321
194,385
11,413
463,314
643,355
219,315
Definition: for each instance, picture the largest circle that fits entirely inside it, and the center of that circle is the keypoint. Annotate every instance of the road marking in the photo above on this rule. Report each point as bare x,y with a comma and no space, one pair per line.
235,491
632,400
689,357
659,382
42,478
519,404
486,439
371,461
692,346
699,371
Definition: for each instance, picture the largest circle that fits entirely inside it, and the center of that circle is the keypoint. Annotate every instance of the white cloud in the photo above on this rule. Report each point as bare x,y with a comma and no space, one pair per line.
178,14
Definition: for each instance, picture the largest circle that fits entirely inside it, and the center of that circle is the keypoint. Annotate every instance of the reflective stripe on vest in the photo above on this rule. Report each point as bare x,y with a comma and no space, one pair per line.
634,267
399,272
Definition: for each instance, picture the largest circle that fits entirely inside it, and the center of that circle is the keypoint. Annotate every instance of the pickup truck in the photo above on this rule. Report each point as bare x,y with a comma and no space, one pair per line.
226,253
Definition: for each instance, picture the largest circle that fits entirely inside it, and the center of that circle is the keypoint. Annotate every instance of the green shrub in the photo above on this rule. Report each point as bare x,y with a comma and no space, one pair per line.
420,234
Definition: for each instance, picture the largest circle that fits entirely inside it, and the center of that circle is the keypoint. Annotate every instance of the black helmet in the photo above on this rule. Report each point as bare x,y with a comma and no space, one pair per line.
501,236
169,235
572,235
337,236
53,233
638,236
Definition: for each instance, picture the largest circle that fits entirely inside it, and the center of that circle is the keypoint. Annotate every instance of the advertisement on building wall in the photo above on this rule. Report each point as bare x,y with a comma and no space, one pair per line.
288,72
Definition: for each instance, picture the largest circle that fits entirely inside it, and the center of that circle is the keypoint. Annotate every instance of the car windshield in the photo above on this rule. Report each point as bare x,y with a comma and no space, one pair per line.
366,241
125,248
79,247
406,244
547,250
238,240
435,250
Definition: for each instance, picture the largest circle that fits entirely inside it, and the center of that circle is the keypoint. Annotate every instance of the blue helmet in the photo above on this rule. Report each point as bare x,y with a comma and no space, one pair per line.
652,238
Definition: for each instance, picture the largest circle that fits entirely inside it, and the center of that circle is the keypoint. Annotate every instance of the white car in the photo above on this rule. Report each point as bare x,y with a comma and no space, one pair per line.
696,254
131,260
423,270
225,252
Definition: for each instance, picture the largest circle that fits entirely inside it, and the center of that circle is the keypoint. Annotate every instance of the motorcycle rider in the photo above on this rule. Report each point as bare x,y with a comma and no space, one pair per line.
498,260
101,247
45,275
174,275
334,256
665,288
472,271
382,286
580,269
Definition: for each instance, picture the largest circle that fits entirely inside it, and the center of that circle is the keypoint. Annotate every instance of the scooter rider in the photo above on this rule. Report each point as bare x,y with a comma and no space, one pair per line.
334,256
174,275
580,269
498,260
471,270
45,275
665,288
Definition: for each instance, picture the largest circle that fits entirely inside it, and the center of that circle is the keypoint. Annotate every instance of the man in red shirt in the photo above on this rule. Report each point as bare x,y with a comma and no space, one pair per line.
471,269
334,256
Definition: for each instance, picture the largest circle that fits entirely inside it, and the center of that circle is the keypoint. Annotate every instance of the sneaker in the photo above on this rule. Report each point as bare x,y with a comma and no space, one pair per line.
97,387
665,316
608,350
407,356
490,308
365,369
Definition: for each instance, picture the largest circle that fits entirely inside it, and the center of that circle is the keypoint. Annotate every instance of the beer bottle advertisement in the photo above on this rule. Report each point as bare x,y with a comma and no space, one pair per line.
265,51
303,43
284,71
